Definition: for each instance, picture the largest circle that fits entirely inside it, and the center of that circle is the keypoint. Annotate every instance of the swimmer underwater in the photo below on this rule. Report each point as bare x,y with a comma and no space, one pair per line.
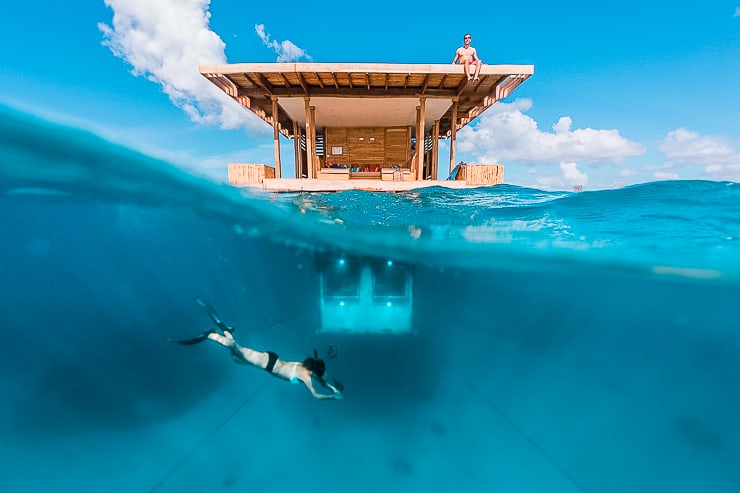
292,371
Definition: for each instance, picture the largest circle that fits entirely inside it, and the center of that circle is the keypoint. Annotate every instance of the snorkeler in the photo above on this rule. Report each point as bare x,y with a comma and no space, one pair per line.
293,371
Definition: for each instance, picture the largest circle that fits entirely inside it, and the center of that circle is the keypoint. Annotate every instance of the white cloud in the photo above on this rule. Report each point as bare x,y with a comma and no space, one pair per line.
570,177
661,175
505,132
737,12
718,157
683,146
165,41
286,50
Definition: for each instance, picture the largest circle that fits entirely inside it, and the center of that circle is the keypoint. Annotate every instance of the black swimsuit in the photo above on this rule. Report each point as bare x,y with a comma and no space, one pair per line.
271,360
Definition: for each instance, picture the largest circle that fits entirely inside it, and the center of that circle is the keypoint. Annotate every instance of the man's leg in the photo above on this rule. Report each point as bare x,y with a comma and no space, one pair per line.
477,69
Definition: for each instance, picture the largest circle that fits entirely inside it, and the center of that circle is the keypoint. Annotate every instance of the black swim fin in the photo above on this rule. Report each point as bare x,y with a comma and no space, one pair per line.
213,314
192,341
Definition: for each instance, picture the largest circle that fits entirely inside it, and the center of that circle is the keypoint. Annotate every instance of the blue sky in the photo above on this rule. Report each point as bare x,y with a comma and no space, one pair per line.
623,92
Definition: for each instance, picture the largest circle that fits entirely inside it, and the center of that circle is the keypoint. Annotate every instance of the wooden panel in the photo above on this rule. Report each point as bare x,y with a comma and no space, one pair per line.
481,174
334,174
369,147
245,174
397,146
336,137
366,146
395,174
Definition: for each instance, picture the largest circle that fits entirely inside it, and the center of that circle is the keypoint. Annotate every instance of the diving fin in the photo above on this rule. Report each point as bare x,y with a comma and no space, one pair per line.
213,315
192,341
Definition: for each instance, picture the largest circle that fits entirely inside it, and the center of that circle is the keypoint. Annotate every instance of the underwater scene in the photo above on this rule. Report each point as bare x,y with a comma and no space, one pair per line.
492,339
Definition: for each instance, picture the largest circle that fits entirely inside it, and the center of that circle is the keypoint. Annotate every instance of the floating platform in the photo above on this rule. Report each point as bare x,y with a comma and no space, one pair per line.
366,125
262,177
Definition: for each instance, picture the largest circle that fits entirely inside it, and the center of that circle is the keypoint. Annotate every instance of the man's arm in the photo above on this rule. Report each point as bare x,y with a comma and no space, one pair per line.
457,57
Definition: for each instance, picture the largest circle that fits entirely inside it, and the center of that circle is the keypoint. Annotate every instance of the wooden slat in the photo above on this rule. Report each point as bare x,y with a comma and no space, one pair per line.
370,151
337,137
397,146
302,83
248,173
481,174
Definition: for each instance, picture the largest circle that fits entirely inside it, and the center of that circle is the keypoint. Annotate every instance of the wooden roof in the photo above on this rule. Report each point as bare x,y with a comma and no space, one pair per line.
365,94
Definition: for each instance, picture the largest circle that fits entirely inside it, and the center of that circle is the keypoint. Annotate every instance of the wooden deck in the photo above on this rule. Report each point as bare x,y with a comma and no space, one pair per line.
261,176
315,185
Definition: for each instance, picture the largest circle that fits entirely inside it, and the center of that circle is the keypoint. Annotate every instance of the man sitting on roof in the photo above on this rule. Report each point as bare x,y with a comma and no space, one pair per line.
467,55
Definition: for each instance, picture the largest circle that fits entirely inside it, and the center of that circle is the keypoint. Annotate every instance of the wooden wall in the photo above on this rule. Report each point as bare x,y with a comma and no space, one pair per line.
369,146
481,174
249,173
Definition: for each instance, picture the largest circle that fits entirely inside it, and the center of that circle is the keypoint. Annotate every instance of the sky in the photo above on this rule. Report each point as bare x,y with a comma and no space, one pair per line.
623,92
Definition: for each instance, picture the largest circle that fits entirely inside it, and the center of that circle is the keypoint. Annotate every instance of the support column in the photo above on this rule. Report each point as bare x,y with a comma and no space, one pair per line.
297,148
310,148
420,131
453,134
276,135
435,150
316,162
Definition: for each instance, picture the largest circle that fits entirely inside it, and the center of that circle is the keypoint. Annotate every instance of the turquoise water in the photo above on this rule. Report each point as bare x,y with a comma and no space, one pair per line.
563,342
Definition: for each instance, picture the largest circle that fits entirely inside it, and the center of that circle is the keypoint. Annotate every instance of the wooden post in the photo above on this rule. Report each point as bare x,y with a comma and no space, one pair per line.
435,150
276,135
420,131
309,140
453,134
316,162
297,148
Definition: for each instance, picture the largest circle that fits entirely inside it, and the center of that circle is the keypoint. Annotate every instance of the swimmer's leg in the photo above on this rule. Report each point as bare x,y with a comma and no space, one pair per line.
213,315
226,340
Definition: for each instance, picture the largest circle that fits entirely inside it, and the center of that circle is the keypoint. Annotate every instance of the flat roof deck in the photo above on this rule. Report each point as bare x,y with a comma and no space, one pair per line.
365,94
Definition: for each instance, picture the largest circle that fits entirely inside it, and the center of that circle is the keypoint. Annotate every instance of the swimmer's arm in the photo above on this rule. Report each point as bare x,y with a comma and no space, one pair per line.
336,395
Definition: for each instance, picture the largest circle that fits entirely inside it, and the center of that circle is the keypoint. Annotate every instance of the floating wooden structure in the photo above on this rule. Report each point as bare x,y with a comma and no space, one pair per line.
363,125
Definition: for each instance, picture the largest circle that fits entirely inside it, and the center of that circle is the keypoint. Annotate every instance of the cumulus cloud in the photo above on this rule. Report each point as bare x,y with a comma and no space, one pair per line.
737,12
165,41
662,175
570,177
286,50
505,132
718,157
684,146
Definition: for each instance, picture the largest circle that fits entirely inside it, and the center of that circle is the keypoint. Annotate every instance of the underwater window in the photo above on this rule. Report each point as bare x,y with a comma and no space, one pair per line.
390,279
341,278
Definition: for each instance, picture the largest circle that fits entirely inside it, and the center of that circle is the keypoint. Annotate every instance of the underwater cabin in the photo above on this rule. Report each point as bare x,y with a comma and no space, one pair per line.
359,126
366,126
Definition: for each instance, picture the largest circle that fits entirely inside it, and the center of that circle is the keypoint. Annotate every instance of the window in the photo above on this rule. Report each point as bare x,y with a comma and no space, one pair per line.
341,278
390,279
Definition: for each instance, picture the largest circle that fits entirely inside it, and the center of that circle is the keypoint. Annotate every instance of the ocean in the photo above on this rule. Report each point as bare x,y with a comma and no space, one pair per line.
560,342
